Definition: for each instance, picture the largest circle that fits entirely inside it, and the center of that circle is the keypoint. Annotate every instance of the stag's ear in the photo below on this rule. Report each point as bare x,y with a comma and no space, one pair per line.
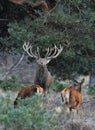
48,60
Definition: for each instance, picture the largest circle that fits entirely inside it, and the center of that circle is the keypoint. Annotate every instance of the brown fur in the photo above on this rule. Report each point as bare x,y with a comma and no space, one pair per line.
43,77
49,80
75,98
28,91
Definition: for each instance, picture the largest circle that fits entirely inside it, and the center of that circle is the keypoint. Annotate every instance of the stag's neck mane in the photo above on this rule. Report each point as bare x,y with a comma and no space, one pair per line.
41,76
42,70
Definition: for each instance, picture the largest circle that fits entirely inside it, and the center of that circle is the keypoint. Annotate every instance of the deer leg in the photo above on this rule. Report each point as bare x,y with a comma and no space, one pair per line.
77,107
45,93
47,90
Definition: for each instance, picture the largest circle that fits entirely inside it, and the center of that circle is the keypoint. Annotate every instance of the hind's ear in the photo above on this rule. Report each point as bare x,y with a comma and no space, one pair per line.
82,81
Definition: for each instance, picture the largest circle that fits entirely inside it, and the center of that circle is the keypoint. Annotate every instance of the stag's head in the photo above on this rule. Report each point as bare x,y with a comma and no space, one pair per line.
50,54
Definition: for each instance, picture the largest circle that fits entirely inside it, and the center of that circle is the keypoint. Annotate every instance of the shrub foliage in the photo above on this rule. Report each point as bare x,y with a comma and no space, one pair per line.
70,23
91,90
30,114
11,83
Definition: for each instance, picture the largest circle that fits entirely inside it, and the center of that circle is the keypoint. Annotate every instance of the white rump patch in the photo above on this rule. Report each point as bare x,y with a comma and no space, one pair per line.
67,96
38,91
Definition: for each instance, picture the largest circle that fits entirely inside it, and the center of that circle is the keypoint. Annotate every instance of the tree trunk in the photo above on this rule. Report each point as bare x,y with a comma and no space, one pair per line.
92,77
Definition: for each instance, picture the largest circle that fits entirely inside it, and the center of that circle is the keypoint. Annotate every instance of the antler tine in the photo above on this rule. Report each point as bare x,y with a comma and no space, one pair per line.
38,51
48,52
33,55
28,48
35,52
56,52
59,51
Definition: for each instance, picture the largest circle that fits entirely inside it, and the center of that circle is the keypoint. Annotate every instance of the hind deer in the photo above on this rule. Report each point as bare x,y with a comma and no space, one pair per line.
28,91
43,76
72,99
72,96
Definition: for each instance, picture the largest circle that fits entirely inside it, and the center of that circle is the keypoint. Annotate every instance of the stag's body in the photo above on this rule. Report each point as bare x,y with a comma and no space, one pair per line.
43,76
72,98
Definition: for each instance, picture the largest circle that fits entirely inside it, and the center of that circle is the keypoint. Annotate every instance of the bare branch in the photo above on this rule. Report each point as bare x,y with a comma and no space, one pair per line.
54,7
41,4
3,19
13,66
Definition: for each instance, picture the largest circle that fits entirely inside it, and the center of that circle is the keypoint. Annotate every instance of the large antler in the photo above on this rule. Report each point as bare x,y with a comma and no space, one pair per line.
53,52
28,48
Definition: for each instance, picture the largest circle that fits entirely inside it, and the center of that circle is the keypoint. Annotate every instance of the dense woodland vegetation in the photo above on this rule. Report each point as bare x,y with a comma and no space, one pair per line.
45,23
70,23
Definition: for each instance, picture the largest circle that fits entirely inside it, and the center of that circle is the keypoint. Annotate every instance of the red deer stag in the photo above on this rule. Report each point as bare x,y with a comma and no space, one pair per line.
43,76
72,99
28,91
77,85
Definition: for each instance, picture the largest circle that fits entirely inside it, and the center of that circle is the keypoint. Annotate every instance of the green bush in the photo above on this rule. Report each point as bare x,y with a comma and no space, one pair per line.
91,90
58,86
10,84
30,114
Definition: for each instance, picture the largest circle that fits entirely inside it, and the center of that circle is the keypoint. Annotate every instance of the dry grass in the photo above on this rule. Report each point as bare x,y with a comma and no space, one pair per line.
84,120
